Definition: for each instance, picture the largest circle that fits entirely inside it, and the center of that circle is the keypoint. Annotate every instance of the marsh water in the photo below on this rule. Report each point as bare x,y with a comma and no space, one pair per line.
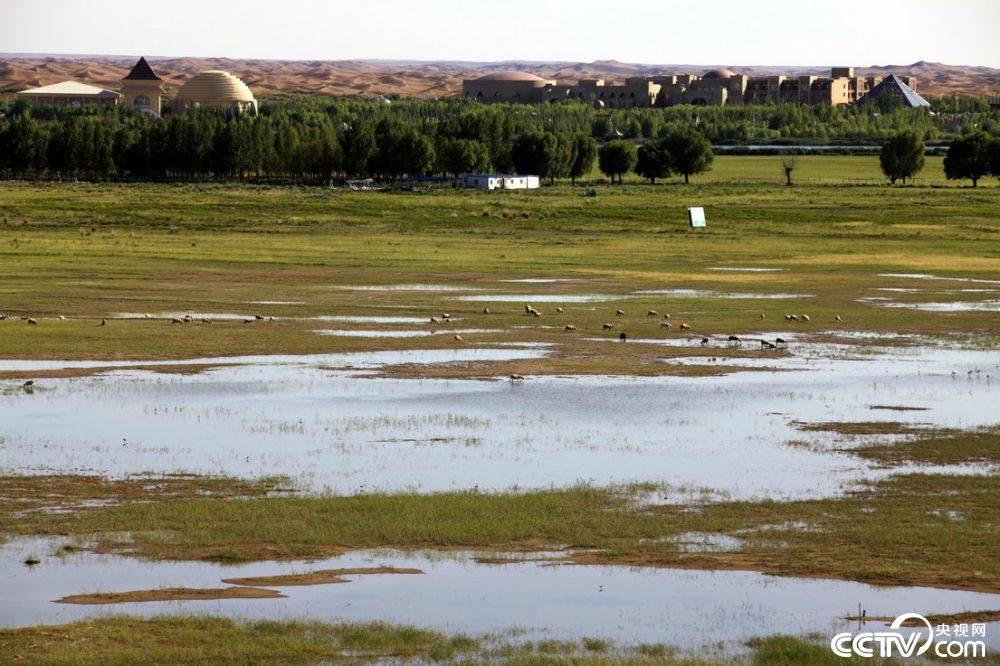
326,422
694,610
332,422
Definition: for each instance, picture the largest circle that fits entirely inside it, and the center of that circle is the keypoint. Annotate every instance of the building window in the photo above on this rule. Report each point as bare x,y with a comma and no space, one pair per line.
140,100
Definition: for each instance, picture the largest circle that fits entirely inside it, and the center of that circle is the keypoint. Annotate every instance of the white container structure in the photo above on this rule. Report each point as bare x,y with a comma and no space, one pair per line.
498,181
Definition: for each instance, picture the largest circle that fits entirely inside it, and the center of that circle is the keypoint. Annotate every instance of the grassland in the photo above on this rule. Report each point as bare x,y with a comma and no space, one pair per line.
89,252
876,534
126,640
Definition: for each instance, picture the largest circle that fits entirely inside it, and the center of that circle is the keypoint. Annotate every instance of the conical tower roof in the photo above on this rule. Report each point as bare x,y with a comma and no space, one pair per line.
893,91
141,71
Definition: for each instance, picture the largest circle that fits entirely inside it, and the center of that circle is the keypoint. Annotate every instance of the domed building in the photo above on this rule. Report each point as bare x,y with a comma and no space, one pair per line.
510,86
215,89
719,74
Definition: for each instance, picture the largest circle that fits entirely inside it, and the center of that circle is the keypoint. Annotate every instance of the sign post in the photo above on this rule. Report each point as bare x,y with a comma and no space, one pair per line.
697,217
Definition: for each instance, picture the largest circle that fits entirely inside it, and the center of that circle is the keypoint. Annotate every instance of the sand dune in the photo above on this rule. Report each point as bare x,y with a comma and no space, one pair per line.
426,79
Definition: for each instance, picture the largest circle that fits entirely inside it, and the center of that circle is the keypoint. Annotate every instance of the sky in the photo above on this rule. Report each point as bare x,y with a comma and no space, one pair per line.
723,32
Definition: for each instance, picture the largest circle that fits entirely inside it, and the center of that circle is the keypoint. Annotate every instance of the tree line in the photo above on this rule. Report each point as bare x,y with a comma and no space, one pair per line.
311,140
969,157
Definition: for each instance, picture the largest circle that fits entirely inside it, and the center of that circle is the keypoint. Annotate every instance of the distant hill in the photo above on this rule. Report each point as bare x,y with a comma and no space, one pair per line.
428,79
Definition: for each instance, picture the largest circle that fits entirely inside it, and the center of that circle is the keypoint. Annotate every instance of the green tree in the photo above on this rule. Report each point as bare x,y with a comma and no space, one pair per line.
455,156
21,144
690,152
414,154
616,158
584,154
532,153
902,156
969,157
357,144
653,160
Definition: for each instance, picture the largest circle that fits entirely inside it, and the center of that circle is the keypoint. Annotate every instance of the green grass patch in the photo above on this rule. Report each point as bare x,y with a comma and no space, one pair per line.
915,529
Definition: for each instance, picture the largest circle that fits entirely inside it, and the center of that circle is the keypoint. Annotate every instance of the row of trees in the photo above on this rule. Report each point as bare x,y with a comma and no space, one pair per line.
971,157
310,140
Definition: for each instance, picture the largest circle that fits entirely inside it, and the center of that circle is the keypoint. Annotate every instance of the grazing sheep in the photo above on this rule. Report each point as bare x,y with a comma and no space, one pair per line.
570,327
652,313
62,317
792,317
608,327
258,317
206,321
559,310
734,338
527,309
704,342
806,318
486,310
622,336
104,322
248,321
764,344
28,384
516,378
458,338
666,324
781,341
536,313
446,315
762,316
2,316
685,327
435,320
32,322
838,317
619,313
175,320
666,316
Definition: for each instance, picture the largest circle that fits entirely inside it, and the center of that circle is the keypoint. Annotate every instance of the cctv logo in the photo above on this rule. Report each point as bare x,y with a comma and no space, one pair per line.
886,644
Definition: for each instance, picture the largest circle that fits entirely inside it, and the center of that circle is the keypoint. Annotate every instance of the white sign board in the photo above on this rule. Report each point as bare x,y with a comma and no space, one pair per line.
697,216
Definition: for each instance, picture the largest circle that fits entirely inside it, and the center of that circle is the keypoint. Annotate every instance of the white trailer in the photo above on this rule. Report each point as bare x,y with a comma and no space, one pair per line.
498,181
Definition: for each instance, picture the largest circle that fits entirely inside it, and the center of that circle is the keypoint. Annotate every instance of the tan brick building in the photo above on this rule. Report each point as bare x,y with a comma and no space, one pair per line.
716,87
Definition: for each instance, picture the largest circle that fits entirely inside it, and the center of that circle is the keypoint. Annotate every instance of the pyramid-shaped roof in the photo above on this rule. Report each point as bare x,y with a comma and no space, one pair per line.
893,90
141,71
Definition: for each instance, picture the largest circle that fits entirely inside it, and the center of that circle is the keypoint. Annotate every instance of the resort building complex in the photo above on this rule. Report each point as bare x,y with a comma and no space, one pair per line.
716,87
143,89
